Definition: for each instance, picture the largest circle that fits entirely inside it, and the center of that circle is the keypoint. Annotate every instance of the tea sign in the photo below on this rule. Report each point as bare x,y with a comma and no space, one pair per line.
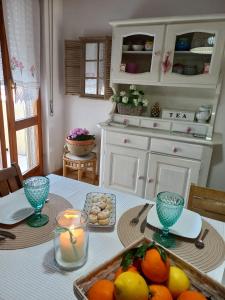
178,115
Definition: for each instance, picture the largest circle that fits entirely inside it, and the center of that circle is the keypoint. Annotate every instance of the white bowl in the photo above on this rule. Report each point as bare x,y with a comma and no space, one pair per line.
137,47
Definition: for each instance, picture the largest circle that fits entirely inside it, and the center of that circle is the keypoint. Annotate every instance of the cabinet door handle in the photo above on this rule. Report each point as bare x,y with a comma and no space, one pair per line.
150,180
126,122
175,149
155,124
189,130
141,177
125,141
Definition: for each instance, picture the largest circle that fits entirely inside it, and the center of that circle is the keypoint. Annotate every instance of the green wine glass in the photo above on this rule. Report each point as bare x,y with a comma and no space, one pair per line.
169,207
36,190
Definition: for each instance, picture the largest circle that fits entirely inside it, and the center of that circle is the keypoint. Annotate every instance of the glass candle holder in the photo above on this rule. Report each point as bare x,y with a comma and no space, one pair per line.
71,239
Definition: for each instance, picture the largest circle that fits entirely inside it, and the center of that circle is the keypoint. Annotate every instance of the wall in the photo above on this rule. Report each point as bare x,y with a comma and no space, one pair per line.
92,17
53,125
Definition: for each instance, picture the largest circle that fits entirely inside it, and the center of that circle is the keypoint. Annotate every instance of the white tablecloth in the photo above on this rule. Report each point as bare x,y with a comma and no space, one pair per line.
28,274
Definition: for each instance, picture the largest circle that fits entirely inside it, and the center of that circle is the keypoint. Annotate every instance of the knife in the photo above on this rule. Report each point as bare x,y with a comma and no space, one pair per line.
144,222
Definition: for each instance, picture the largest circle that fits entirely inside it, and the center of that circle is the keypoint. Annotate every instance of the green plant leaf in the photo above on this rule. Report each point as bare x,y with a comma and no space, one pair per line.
140,253
151,245
162,253
126,261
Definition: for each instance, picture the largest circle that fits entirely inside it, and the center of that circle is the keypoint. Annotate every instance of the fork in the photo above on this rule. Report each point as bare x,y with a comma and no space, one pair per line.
135,220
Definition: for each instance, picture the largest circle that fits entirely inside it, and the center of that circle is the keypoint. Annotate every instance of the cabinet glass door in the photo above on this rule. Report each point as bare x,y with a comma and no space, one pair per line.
136,54
193,53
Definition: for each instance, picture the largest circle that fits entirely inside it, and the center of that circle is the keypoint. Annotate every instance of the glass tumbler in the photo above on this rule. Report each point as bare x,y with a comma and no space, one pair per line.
71,239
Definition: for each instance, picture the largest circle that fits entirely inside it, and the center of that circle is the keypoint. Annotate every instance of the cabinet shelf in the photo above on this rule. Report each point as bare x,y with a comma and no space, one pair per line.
191,53
177,52
138,52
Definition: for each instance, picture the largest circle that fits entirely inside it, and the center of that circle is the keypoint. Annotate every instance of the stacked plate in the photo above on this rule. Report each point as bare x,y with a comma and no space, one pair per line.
14,208
189,224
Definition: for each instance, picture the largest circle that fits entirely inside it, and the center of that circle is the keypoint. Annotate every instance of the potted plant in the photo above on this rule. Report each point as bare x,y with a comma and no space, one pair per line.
79,142
131,102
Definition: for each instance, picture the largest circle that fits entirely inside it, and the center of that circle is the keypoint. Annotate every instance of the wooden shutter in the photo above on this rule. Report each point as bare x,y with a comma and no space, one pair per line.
108,90
72,67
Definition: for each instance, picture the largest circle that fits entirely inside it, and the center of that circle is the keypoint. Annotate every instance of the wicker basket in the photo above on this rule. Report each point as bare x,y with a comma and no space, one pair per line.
129,110
199,281
80,148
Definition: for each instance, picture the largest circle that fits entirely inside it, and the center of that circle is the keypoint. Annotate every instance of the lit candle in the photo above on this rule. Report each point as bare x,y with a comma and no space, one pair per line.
71,239
72,244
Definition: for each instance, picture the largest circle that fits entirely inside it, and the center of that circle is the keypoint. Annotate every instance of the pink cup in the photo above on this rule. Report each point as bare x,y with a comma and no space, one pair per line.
132,68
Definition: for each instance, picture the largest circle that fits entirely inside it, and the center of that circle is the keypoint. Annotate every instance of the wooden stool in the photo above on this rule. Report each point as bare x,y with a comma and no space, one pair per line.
80,164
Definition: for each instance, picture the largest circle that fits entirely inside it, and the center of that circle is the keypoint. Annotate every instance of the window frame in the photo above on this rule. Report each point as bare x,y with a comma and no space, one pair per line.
13,124
94,40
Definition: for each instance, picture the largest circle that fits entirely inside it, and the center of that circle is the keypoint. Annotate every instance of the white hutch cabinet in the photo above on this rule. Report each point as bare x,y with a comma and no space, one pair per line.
177,61
144,162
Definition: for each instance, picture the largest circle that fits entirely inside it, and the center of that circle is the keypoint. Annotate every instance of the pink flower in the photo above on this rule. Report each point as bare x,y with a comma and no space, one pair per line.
79,134
21,65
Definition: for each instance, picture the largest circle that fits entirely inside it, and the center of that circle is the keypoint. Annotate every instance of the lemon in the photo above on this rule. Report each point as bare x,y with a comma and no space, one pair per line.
131,286
178,281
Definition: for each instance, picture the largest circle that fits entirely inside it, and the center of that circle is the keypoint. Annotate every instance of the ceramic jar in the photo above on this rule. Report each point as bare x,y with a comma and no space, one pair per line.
203,114
182,44
148,45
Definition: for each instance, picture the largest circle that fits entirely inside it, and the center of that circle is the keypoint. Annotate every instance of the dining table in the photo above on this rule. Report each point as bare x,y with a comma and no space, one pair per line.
30,273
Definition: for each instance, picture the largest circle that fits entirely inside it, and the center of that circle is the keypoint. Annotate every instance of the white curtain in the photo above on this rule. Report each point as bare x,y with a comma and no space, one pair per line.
22,22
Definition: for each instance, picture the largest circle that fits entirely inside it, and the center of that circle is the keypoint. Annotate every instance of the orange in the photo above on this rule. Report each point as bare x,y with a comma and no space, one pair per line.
191,295
153,267
159,292
101,289
131,268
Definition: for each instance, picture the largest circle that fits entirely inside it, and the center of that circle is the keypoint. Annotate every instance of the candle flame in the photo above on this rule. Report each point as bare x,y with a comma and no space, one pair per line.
71,216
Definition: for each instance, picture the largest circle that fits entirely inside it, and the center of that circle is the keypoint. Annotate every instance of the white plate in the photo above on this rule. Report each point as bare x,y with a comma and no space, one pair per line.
14,208
189,224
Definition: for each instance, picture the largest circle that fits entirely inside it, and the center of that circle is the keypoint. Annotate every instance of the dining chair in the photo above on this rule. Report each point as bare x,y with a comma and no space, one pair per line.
11,180
207,202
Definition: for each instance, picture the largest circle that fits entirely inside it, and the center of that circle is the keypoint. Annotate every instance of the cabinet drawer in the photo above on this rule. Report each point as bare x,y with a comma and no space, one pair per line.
125,120
127,140
156,124
176,148
190,128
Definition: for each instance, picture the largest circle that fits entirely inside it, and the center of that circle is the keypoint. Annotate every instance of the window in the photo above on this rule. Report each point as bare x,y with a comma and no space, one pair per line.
87,67
20,119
